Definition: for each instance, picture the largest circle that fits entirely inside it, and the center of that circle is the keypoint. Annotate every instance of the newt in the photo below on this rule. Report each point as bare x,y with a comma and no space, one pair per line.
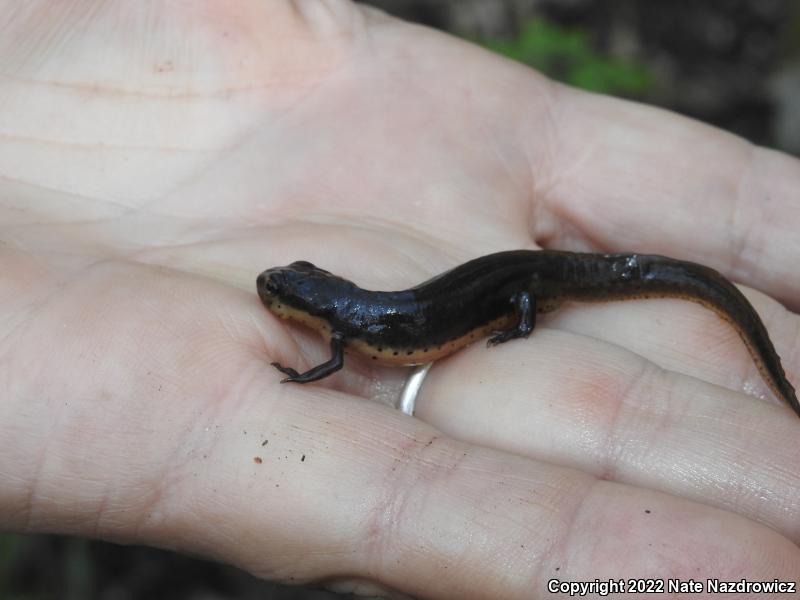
499,295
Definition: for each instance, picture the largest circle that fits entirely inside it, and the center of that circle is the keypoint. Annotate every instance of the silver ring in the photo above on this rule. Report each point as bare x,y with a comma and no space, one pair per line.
408,397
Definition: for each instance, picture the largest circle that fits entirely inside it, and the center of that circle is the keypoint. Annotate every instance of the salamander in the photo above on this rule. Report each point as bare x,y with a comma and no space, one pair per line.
498,295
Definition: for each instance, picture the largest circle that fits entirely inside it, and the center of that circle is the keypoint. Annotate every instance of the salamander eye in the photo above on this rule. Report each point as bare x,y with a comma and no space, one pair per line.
267,283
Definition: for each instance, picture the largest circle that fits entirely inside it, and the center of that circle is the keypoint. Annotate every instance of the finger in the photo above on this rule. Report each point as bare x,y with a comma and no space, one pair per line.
348,491
686,338
580,402
620,175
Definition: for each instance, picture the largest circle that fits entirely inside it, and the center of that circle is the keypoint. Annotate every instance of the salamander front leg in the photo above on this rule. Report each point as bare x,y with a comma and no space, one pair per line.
320,371
525,306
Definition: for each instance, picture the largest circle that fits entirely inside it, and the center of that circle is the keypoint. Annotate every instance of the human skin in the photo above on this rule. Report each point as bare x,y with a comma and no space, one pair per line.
155,157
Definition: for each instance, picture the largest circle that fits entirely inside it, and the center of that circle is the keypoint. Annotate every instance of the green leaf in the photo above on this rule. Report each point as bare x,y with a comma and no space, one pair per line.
567,55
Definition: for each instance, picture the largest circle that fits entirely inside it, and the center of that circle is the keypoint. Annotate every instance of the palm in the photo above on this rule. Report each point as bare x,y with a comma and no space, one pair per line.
386,154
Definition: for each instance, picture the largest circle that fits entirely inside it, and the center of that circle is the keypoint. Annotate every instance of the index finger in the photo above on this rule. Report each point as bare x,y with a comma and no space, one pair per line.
623,176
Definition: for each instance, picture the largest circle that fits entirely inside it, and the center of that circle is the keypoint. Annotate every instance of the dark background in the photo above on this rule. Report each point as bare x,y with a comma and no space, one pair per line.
733,63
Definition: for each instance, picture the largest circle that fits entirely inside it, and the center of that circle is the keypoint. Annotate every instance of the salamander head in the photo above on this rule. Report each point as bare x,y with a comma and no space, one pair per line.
301,288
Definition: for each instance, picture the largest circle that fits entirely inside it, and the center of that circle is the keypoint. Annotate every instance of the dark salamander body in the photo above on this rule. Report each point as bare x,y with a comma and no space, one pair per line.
496,293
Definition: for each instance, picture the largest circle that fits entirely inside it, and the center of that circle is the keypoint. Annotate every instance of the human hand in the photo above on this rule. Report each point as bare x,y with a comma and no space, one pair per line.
155,161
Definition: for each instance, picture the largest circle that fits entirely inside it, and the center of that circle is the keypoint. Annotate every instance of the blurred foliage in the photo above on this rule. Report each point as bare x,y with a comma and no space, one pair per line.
567,55
30,570
791,39
9,549
58,567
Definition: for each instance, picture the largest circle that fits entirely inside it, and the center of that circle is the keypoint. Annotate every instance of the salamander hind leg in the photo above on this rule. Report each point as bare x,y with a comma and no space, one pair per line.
525,307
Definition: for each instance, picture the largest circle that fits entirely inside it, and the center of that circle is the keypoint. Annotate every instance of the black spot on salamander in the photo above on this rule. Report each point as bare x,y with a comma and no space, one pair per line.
395,353
409,353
